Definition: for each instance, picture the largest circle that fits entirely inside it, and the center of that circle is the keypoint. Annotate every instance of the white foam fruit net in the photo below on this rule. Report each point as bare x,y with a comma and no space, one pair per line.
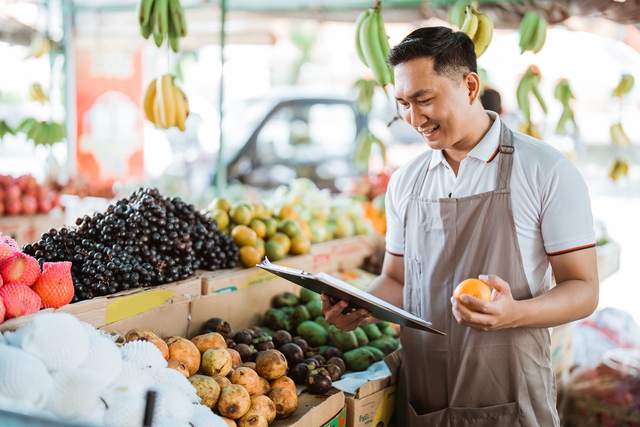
172,403
125,409
170,422
58,339
178,381
132,377
103,360
143,354
76,394
24,377
203,417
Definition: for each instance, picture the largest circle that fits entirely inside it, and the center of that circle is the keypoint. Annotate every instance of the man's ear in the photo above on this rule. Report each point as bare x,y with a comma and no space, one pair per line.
472,83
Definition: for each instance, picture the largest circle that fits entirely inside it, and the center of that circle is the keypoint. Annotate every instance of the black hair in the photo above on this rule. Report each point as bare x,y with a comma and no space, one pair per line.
491,100
452,51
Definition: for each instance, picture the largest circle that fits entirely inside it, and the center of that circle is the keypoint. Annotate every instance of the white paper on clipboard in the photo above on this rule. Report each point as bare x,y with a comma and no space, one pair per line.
337,289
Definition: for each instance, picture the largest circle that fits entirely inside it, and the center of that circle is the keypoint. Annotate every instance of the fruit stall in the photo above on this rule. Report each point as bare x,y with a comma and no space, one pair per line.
154,152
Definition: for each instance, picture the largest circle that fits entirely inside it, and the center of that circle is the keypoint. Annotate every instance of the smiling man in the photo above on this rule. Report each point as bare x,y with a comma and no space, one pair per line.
485,202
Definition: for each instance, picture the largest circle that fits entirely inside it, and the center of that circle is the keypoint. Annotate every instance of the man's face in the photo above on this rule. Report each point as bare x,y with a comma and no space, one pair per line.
433,104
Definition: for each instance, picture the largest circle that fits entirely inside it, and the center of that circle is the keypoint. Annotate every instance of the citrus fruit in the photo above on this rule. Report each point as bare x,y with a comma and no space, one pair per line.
259,209
475,288
221,217
290,227
272,226
283,239
243,235
259,227
220,203
300,245
249,256
274,250
259,245
240,215
287,212
249,206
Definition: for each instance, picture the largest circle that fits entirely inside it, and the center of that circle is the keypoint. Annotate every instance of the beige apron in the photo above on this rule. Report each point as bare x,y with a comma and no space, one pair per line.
469,378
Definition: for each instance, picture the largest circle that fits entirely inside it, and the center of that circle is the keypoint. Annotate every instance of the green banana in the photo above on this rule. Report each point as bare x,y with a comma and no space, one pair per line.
484,34
522,94
364,15
161,20
144,12
372,50
383,38
538,95
174,38
563,93
146,29
178,18
5,129
624,85
540,35
364,102
363,150
527,30
455,15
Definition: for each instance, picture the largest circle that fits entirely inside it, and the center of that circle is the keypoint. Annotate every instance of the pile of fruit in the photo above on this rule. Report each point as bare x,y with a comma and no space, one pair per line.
60,368
24,289
301,316
24,196
143,240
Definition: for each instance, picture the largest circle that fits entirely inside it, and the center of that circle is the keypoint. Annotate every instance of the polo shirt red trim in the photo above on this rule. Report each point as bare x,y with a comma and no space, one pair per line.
395,254
495,153
577,248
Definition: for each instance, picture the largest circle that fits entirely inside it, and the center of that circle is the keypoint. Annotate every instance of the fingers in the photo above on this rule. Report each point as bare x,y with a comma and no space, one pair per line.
481,320
495,282
335,314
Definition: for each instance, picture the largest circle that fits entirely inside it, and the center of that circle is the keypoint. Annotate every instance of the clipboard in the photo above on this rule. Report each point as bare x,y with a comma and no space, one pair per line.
337,290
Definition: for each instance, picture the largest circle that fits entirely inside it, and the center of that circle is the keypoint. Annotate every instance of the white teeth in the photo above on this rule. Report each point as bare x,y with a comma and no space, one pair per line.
430,131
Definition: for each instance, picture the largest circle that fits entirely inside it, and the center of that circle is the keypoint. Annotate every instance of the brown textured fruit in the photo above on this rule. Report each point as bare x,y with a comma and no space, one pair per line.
178,366
271,364
216,361
253,419
230,422
185,351
265,406
206,341
222,381
235,358
284,382
251,365
207,388
248,378
234,401
285,400
148,335
265,387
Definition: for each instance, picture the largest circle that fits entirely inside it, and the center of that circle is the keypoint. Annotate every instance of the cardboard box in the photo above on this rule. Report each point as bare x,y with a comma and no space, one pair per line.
375,401
242,278
315,411
346,253
28,228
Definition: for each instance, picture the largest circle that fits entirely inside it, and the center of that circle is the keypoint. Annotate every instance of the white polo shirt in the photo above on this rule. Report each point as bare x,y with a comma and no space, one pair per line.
549,198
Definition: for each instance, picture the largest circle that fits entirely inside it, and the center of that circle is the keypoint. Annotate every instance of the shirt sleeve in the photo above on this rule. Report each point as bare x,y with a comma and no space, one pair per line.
394,239
566,218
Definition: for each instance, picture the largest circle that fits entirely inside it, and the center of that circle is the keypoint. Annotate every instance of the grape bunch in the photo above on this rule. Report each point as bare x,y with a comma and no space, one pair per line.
145,240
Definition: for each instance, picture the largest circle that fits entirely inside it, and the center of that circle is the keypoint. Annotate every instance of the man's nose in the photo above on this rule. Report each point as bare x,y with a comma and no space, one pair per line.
415,117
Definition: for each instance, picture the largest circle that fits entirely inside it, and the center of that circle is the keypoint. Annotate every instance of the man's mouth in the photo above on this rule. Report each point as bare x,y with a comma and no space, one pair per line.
429,131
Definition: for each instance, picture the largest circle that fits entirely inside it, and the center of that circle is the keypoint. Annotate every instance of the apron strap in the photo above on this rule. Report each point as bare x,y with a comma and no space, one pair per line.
416,190
505,158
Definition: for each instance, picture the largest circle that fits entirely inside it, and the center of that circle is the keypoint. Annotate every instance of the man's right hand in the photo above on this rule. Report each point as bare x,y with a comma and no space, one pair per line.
346,322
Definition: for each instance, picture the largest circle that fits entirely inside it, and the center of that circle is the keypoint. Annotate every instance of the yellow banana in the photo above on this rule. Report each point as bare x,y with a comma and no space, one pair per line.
359,22
540,35
372,50
165,92
160,110
528,128
618,135
483,35
624,85
619,169
148,102
470,24
181,113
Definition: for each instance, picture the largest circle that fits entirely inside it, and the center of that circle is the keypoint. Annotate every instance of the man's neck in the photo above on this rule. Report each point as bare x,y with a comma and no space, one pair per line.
455,155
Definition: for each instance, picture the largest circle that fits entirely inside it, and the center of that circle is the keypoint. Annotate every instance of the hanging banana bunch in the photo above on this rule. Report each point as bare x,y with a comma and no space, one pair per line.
529,84
624,85
37,94
564,94
364,142
39,46
42,133
5,129
165,104
479,28
372,44
618,135
619,168
533,32
162,18
456,13
364,102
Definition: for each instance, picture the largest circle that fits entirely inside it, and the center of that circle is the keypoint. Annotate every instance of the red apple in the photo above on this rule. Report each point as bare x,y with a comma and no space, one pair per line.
13,191
44,205
13,206
29,204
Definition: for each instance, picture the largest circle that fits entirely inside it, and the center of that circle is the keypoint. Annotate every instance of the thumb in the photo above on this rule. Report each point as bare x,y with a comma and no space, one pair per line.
495,282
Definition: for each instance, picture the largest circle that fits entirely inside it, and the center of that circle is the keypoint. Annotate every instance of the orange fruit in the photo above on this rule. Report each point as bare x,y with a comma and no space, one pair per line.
274,250
287,212
271,224
259,245
290,227
283,239
243,235
240,215
259,227
475,288
249,256
300,245
221,217
220,203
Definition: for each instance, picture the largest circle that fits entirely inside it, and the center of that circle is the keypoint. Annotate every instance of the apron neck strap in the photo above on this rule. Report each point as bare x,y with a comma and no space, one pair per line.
419,183
505,158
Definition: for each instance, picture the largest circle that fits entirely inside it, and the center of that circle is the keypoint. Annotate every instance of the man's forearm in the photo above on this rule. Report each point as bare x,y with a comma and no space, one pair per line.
388,289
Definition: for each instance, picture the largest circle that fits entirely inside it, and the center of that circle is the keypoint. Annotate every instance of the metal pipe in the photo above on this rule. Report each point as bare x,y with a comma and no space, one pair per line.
221,170
70,89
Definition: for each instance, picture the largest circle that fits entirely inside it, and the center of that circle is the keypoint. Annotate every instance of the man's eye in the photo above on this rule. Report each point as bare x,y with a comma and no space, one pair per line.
424,101
404,105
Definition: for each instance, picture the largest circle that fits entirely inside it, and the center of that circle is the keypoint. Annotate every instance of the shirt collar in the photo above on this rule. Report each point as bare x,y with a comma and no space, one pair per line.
485,150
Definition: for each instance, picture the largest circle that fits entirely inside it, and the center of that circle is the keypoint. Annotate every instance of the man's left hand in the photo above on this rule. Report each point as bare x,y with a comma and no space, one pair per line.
500,313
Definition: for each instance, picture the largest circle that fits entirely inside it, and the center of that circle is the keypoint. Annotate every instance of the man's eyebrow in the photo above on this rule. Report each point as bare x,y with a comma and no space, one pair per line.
417,94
